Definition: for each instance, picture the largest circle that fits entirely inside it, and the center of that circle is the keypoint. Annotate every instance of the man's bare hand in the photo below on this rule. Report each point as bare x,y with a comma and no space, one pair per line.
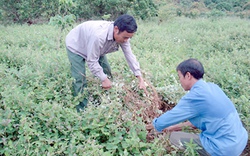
142,85
106,84
149,127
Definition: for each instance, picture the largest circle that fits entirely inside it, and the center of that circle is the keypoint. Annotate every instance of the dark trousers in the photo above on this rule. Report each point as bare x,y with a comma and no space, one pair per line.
78,72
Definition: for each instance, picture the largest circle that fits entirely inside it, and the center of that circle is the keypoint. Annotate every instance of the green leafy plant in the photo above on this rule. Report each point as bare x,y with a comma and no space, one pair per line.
37,109
191,148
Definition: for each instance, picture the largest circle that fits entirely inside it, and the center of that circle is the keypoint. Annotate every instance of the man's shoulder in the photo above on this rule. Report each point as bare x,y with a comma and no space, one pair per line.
96,23
96,27
202,84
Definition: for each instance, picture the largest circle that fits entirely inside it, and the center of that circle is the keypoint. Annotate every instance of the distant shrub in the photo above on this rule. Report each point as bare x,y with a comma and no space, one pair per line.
186,4
144,9
216,13
198,5
211,6
224,6
178,12
207,2
29,10
167,12
246,6
1,15
244,14
194,13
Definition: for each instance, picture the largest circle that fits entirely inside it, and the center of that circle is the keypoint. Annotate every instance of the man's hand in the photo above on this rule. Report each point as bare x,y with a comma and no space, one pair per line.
142,85
179,127
172,128
106,84
149,127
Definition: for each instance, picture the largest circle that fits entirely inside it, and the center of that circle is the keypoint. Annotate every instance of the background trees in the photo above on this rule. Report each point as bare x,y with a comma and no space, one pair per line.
22,11
40,11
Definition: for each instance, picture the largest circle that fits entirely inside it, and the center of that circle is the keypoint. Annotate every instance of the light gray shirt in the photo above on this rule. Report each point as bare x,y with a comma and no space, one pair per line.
93,39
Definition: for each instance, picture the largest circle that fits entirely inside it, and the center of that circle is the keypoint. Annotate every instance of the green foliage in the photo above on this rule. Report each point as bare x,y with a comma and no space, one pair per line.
41,11
224,6
207,2
37,109
63,22
27,10
1,14
31,11
246,6
194,13
186,4
191,148
140,8
210,8
167,11
89,9
144,8
216,14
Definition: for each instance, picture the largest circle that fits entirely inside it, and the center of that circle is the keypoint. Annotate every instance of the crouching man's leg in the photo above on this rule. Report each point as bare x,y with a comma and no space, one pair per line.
179,139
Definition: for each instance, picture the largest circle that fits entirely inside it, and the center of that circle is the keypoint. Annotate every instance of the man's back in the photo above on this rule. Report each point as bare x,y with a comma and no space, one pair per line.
88,35
222,131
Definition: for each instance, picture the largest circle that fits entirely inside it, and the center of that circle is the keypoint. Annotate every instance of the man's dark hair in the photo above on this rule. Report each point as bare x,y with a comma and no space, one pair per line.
193,66
126,22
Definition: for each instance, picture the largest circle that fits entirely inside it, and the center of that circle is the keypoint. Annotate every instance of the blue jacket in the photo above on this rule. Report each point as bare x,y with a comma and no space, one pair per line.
208,108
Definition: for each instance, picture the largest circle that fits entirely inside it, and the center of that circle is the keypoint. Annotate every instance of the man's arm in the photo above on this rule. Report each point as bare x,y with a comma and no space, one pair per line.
93,58
131,59
182,112
133,64
179,127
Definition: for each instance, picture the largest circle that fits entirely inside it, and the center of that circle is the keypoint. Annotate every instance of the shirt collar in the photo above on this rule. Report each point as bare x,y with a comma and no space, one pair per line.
111,31
198,83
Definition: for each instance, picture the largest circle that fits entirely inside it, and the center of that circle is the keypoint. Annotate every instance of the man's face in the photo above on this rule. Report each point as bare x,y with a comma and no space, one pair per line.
121,37
184,80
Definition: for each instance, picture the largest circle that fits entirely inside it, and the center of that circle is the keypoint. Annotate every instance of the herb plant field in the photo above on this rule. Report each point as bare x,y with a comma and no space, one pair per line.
37,109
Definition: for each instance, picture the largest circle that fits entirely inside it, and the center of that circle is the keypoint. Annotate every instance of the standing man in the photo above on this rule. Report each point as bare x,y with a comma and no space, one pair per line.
207,108
90,42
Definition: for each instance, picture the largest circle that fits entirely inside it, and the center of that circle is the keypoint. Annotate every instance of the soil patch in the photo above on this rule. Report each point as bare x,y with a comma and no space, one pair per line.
246,151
